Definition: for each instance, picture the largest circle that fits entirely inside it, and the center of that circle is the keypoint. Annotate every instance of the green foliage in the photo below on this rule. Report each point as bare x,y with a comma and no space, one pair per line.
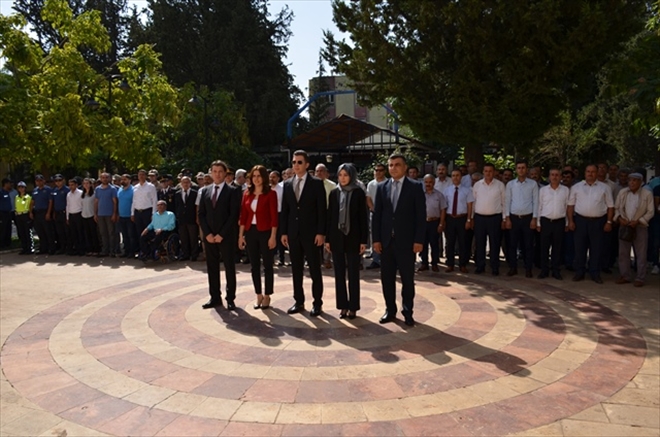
470,71
412,158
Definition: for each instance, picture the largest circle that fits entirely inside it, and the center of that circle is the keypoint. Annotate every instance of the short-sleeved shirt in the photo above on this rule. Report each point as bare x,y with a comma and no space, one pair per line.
41,198
464,197
59,198
591,200
435,202
125,201
5,201
104,197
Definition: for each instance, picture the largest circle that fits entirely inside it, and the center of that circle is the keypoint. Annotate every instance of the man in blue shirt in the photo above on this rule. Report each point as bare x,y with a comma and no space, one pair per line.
161,226
126,225
42,205
521,210
58,195
105,214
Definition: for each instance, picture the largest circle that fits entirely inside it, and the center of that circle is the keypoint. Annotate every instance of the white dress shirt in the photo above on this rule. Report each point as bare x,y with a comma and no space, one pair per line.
74,202
591,200
553,202
441,185
145,196
279,189
489,198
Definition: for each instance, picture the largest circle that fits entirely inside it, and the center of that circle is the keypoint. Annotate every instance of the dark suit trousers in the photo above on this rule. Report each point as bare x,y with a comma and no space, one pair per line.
455,232
188,233
391,260
521,235
76,234
589,235
61,230
142,219
24,230
256,243
487,227
347,299
43,228
298,251
552,234
431,238
214,253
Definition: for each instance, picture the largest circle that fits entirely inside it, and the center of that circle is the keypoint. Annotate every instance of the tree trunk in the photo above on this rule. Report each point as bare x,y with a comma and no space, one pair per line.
474,152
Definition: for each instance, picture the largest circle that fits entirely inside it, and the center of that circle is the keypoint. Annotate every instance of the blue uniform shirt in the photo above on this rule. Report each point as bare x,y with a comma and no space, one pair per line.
41,198
59,198
5,201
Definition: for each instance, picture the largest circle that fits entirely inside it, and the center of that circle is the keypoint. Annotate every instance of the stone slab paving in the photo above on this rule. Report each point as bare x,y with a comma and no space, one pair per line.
114,347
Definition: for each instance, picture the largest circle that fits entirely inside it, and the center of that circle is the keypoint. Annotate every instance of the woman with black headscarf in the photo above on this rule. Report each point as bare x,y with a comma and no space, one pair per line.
346,239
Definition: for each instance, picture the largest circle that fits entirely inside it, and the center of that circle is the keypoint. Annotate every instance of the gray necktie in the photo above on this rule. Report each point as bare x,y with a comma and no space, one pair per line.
395,193
298,188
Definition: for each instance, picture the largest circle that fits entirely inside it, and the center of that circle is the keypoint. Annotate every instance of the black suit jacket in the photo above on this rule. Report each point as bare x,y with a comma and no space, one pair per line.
305,218
223,219
186,213
407,223
168,197
359,222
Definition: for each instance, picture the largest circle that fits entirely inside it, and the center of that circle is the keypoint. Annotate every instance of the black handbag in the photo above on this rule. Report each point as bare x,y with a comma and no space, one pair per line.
627,233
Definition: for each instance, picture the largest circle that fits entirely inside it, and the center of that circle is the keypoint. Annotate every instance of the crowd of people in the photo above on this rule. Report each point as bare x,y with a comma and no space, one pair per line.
582,223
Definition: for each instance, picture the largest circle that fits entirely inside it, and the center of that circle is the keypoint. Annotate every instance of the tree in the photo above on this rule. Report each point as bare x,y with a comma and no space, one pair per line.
43,101
231,45
471,72
114,17
318,110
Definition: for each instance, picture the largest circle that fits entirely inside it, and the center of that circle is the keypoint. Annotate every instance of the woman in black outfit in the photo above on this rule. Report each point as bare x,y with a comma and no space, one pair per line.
346,239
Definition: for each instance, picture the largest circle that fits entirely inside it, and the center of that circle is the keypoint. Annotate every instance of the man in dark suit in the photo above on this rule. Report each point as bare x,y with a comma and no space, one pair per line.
398,226
303,230
218,211
186,217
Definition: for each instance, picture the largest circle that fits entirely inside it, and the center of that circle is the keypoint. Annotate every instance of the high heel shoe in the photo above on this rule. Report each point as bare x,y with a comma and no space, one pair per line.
342,314
265,304
260,299
352,315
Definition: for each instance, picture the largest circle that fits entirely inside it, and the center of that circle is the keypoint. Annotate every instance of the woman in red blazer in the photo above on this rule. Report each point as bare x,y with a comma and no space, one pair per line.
258,230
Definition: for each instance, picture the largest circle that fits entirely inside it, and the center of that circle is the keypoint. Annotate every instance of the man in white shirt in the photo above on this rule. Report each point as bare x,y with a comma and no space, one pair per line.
551,224
455,219
590,212
489,197
276,185
472,167
321,172
74,219
634,208
145,197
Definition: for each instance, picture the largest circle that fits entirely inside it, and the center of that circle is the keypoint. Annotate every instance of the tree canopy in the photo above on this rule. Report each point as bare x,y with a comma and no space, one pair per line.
471,71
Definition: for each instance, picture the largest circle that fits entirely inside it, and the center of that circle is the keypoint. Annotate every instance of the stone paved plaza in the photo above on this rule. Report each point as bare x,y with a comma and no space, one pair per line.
114,347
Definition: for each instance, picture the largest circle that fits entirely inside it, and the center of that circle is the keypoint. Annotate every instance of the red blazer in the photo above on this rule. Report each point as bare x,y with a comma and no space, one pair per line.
266,211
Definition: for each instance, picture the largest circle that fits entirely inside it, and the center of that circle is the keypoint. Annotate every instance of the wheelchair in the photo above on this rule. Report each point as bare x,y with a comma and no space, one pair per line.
169,249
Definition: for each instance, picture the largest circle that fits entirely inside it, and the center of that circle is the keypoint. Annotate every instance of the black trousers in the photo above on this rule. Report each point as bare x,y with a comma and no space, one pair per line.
487,227
76,234
142,219
521,235
59,221
589,235
552,234
92,242
188,233
214,253
394,258
347,299
44,232
299,249
150,241
455,232
431,238
24,231
5,228
256,243
129,236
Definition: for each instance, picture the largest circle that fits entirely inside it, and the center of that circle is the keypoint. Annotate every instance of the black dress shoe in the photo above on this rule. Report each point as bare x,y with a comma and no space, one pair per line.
351,315
387,317
597,279
608,271
557,276
542,275
343,314
295,309
211,304
408,320
495,273
315,312
512,272
230,305
578,278
528,273
479,271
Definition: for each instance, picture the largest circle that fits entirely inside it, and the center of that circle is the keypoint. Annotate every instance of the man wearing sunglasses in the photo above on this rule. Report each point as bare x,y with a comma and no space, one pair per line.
303,230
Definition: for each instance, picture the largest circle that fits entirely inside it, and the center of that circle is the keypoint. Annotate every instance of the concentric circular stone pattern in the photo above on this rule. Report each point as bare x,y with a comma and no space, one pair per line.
110,347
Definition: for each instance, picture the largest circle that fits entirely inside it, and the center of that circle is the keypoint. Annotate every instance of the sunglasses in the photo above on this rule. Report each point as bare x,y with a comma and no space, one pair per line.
297,162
